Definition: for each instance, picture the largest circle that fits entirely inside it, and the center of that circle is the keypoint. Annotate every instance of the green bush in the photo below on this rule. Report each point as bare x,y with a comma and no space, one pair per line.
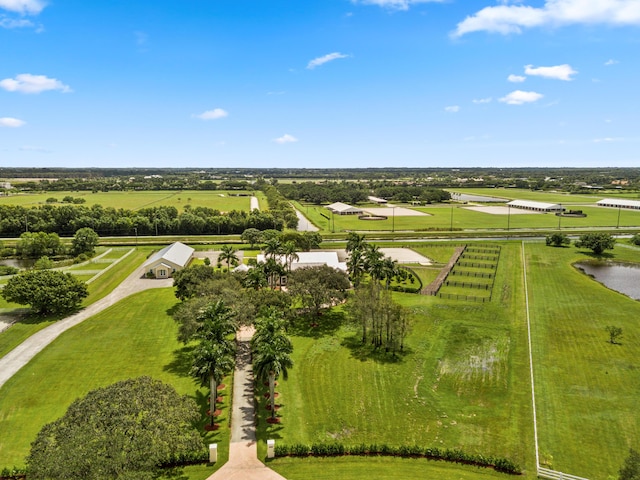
636,239
450,455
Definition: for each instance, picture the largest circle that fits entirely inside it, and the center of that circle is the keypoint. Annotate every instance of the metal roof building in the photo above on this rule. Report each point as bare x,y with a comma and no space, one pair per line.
619,203
344,209
536,206
171,258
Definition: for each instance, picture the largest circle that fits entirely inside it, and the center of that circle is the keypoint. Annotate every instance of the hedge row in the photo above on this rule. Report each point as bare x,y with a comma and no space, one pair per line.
14,473
433,453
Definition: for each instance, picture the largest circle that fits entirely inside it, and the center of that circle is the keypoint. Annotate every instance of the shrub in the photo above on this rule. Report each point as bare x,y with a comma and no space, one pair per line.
636,239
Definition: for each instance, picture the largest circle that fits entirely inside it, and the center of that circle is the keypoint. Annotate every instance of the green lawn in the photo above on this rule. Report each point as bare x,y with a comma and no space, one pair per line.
379,468
103,285
443,217
587,389
134,337
136,200
463,364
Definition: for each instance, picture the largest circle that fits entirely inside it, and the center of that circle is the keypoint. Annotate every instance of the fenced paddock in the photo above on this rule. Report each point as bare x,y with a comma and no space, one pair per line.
554,475
475,262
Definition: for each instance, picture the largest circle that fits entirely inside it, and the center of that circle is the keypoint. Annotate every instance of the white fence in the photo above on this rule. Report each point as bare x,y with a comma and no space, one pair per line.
553,475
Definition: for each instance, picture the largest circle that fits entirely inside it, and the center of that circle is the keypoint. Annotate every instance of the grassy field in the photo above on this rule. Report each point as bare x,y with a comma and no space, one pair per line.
102,286
134,337
587,389
221,200
463,363
443,217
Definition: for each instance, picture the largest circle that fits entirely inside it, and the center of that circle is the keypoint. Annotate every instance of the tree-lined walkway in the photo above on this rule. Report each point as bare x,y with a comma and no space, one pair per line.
243,450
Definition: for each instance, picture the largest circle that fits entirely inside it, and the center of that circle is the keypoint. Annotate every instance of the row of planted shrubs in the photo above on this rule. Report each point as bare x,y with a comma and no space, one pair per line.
434,453
14,473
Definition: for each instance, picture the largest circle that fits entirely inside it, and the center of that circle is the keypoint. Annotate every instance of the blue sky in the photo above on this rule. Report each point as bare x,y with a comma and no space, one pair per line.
330,83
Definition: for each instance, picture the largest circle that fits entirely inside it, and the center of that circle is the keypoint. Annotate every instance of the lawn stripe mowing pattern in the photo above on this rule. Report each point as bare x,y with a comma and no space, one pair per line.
587,390
102,286
135,337
463,383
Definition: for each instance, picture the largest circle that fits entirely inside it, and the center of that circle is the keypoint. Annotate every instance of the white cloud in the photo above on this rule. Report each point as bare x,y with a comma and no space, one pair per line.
24,7
610,62
11,122
6,22
452,109
482,100
31,148
316,62
395,4
507,19
518,97
516,78
214,114
286,138
558,72
27,83
607,140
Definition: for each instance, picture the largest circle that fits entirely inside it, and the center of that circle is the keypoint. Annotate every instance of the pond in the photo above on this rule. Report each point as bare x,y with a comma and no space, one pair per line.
621,277
18,262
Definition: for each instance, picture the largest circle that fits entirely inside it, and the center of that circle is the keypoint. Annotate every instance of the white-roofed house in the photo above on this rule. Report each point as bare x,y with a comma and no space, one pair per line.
306,260
170,259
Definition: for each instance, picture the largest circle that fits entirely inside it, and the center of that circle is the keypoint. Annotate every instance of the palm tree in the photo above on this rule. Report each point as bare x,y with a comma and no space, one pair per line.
389,270
256,277
272,248
271,349
274,270
228,255
211,362
373,259
270,360
289,251
355,242
356,266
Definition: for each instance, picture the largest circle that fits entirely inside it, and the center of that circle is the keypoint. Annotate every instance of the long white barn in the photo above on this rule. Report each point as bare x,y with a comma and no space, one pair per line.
536,206
619,203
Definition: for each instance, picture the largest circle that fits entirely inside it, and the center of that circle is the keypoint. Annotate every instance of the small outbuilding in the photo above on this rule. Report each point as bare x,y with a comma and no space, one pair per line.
619,203
536,206
164,263
340,208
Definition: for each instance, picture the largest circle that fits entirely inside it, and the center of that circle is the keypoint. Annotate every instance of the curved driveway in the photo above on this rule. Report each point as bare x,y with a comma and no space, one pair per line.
23,353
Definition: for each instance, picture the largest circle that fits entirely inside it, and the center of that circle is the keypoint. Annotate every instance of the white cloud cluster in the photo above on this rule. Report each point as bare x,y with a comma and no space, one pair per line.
480,101
519,97
11,122
24,7
452,109
394,4
214,114
516,78
316,62
506,19
610,62
6,22
286,138
558,72
27,83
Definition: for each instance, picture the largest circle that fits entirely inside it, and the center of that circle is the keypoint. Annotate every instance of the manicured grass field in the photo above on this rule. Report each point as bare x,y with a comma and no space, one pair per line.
443,217
135,200
587,389
462,382
134,337
379,468
102,286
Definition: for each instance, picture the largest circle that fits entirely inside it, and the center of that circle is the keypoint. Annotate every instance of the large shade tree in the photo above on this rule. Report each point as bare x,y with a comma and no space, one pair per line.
128,430
46,291
318,287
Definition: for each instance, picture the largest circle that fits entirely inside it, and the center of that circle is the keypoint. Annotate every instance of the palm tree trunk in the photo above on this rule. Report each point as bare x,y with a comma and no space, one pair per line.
212,399
272,393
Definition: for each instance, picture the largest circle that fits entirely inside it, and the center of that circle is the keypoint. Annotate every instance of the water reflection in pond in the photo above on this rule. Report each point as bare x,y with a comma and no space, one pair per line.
621,277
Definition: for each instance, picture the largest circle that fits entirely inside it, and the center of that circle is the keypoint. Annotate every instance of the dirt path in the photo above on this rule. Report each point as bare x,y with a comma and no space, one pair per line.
23,353
243,461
